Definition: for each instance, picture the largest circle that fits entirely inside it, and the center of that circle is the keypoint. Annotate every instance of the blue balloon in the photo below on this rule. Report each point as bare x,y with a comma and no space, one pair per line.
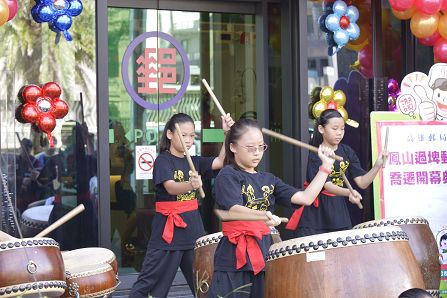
75,8
341,38
63,22
339,8
333,22
44,13
353,31
352,13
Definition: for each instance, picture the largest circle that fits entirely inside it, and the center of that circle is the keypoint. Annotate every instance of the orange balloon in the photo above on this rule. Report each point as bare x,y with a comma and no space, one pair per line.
442,26
4,12
404,15
423,25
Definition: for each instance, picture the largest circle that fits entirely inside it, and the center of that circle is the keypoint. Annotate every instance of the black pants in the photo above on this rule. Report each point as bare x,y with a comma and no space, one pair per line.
158,272
236,284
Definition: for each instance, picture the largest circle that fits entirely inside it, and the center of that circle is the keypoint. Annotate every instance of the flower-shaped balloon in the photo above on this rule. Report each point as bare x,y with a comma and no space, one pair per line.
41,107
58,13
330,99
342,24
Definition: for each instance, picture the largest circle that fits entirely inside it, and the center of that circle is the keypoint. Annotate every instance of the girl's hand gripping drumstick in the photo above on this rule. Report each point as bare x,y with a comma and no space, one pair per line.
353,192
188,157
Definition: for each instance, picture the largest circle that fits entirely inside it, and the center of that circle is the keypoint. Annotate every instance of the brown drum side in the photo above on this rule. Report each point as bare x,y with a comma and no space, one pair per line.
424,247
378,270
203,265
45,261
96,284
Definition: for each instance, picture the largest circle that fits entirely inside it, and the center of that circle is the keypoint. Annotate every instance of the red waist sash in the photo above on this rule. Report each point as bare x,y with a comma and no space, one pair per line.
243,234
173,210
296,216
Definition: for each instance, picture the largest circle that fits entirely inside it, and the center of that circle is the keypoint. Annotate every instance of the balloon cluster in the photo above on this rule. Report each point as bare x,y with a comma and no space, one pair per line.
393,94
8,10
330,99
428,22
339,24
58,13
41,107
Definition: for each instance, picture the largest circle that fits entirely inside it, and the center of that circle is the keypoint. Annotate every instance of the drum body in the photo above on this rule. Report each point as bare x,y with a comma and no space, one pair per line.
90,255
367,263
92,280
422,243
203,265
35,219
31,267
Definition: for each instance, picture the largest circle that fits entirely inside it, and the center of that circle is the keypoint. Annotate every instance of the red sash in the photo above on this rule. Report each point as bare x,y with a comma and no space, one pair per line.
173,209
243,234
296,216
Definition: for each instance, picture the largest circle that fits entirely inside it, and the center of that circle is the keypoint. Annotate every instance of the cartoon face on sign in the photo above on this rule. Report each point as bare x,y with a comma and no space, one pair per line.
429,93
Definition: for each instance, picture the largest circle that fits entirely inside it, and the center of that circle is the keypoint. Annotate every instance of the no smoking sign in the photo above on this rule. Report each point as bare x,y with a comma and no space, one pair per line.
144,159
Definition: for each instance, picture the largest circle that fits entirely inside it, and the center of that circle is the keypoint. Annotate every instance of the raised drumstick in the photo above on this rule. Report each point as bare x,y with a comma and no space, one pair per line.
348,184
213,96
62,220
188,157
385,147
294,142
225,215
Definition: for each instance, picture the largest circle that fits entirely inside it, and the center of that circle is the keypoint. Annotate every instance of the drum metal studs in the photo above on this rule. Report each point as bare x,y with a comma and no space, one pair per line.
73,289
31,267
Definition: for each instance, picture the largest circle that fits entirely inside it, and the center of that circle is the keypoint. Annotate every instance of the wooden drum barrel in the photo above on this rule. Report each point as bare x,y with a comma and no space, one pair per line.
367,263
31,267
203,265
422,243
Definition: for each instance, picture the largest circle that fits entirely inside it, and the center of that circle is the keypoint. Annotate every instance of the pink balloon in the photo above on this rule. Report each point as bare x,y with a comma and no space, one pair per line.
444,6
401,5
365,57
428,6
440,50
431,40
13,7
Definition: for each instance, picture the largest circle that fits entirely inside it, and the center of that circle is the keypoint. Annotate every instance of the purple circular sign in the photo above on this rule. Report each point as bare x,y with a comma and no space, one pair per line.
125,75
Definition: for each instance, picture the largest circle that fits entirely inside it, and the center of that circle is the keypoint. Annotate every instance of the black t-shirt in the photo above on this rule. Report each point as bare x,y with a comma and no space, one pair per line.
169,167
258,191
332,212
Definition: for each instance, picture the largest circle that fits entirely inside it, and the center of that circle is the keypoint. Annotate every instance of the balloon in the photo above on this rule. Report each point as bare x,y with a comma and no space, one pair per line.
75,8
341,37
352,13
444,6
332,22
339,98
357,47
344,22
332,105
401,5
31,93
12,5
428,6
365,57
4,12
353,31
423,25
322,23
318,108
343,113
326,94
339,7
442,26
29,113
393,87
440,50
405,14
61,108
431,40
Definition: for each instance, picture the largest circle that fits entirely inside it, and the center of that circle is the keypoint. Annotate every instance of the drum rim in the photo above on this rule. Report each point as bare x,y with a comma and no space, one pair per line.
33,224
20,289
100,293
68,254
102,267
394,221
290,247
208,239
27,242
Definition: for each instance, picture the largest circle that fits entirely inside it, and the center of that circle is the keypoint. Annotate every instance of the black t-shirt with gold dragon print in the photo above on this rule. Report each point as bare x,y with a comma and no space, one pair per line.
332,212
257,191
170,167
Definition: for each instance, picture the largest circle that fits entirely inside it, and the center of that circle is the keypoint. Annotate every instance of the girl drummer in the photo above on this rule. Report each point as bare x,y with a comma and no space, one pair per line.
239,187
329,211
177,223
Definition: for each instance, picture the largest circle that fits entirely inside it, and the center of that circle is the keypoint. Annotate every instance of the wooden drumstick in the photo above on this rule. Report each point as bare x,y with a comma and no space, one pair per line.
385,147
295,142
225,215
351,190
213,96
62,220
188,157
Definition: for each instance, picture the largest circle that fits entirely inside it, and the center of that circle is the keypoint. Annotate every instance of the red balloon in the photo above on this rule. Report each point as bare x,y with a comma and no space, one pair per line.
61,108
440,50
30,113
51,90
47,123
444,6
344,22
401,5
431,40
428,6
12,5
332,105
31,93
